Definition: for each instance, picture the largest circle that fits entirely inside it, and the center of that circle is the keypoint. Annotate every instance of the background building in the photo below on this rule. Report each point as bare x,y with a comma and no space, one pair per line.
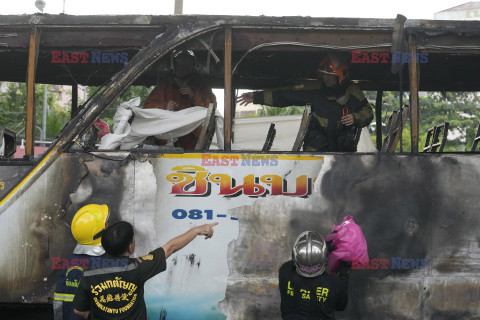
466,11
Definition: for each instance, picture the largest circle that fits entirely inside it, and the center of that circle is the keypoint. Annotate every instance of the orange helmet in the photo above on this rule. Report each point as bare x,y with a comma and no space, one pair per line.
332,65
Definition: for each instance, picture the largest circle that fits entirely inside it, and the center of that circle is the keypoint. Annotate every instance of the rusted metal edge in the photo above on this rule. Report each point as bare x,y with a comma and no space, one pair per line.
414,76
398,43
31,72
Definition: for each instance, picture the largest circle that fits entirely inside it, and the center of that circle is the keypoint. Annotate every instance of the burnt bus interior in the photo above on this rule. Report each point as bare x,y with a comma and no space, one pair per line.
241,53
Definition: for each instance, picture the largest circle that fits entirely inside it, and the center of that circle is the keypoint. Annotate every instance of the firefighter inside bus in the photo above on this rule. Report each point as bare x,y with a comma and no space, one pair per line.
340,109
181,90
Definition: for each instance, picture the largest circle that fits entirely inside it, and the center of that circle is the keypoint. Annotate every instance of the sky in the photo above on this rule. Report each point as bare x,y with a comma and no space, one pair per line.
412,9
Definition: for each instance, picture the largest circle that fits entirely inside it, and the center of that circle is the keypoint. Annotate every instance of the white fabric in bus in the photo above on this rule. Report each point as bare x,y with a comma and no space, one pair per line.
160,123
365,144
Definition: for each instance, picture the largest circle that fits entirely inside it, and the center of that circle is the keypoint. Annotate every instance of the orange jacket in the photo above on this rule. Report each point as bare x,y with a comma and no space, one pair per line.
167,91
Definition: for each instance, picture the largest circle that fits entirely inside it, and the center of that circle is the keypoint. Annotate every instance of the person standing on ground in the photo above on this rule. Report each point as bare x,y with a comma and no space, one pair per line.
307,291
86,226
116,290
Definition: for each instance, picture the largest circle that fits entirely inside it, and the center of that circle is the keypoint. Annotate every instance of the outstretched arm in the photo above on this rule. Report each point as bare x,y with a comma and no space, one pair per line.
279,98
181,241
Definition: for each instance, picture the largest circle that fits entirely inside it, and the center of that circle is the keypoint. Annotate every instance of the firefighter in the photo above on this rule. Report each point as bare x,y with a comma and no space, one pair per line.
339,107
183,89
116,290
307,291
87,226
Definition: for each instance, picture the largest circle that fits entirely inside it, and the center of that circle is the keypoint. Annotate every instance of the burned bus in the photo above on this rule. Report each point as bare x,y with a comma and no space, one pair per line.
418,207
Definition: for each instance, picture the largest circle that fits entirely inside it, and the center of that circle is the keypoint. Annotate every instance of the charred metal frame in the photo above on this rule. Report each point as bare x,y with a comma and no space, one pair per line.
307,116
396,122
270,137
432,143
248,31
378,118
208,129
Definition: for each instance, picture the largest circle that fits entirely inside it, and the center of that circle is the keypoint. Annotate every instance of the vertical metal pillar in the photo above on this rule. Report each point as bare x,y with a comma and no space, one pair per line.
178,9
378,118
45,107
414,76
31,71
228,90
74,110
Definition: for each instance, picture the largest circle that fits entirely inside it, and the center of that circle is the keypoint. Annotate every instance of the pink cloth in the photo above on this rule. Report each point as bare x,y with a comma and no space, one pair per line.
350,242
103,128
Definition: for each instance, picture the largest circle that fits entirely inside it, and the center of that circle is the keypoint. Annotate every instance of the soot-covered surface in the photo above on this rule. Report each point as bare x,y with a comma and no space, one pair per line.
421,207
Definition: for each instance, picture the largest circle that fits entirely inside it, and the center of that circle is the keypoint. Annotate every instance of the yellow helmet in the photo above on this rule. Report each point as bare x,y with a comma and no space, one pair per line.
88,222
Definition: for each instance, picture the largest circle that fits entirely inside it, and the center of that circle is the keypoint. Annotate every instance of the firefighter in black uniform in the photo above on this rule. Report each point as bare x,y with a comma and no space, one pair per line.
339,107
306,290
115,289
86,226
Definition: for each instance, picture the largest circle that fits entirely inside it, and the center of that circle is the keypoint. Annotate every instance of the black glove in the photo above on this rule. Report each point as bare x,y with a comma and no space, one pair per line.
344,272
330,247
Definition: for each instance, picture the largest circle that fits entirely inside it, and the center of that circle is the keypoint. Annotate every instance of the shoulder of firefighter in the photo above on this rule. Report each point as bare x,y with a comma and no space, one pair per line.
72,272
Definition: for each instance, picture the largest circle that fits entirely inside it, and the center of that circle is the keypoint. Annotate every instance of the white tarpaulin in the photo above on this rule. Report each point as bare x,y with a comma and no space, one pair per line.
365,144
160,123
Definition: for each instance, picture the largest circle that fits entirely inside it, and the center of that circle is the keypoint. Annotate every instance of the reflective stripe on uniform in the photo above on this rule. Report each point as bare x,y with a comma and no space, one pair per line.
63,297
94,272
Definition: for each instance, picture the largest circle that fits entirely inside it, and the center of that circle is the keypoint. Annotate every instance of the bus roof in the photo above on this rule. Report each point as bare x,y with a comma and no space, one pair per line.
267,51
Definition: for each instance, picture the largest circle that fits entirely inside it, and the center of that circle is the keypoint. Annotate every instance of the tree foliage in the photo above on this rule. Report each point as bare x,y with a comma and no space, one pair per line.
13,109
460,109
